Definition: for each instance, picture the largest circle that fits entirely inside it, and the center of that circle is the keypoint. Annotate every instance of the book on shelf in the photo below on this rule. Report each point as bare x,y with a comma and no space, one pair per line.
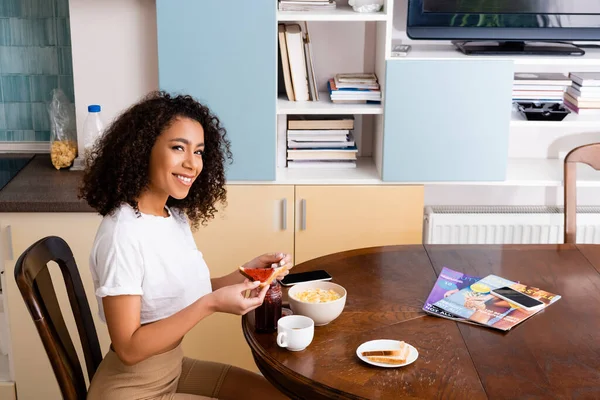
537,99
356,81
317,143
361,88
306,5
318,139
577,92
310,68
296,58
322,154
591,79
539,87
365,96
585,90
582,103
312,164
318,135
296,62
541,78
318,121
475,304
581,111
284,63
555,88
583,96
538,93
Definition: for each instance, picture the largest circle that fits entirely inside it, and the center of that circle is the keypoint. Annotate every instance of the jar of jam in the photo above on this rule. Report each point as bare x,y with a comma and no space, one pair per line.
269,312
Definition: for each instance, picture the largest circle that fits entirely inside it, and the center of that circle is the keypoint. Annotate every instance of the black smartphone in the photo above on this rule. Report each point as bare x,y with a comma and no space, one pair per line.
310,276
514,296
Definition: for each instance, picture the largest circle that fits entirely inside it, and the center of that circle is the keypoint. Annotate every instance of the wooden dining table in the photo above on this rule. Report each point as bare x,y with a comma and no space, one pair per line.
555,354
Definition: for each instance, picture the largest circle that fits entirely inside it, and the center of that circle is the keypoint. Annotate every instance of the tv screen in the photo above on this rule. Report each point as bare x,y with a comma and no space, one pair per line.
519,20
514,6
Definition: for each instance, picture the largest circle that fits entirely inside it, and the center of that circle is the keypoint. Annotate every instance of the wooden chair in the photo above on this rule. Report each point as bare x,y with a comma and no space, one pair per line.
588,154
35,284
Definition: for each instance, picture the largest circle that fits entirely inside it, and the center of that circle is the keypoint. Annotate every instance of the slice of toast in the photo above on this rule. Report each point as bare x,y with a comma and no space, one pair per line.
386,353
264,275
391,356
386,360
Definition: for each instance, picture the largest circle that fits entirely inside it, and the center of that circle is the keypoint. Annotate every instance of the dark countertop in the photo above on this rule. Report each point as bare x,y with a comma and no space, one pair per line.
39,187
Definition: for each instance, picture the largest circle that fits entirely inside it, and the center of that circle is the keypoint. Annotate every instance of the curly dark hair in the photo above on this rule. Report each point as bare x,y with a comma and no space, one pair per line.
117,167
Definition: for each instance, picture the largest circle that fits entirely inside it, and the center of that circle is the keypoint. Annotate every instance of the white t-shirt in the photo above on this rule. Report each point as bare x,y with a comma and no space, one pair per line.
151,256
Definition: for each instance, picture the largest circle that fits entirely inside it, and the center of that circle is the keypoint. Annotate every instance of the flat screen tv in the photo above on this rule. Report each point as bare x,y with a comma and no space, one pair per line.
507,26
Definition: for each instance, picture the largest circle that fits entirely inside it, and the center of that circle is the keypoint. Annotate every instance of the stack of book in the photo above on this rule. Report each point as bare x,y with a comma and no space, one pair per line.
321,141
583,96
354,88
306,5
539,87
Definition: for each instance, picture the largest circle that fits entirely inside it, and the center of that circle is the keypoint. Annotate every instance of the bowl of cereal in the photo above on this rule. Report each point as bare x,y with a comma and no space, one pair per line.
321,301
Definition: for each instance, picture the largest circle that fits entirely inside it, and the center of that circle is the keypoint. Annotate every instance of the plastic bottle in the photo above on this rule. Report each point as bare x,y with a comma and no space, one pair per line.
269,312
92,127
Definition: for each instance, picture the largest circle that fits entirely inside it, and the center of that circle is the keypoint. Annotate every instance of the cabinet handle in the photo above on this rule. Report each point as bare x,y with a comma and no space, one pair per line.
284,214
303,216
9,246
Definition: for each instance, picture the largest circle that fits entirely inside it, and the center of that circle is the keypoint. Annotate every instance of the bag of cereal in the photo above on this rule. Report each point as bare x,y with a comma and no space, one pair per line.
63,134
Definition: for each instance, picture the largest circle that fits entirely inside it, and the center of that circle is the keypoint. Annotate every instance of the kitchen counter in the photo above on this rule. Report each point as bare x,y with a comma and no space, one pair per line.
39,187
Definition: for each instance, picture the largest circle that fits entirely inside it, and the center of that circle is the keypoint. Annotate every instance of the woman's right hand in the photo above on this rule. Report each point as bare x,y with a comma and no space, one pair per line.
231,299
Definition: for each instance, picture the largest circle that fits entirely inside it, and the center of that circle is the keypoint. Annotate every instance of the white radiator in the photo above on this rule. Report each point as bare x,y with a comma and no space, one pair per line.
506,225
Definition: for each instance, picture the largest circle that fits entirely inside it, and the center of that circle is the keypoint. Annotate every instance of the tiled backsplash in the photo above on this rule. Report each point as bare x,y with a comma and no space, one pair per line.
35,57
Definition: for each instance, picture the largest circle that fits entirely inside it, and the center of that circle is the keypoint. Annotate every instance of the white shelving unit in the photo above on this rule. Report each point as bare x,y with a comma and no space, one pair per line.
536,172
332,51
571,121
449,52
365,173
325,106
343,40
533,137
520,172
342,12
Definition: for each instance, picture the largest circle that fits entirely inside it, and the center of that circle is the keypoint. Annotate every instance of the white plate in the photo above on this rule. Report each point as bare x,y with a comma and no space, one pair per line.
384,344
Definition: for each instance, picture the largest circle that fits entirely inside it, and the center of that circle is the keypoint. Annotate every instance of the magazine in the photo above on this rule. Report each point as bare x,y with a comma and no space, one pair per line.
475,304
447,283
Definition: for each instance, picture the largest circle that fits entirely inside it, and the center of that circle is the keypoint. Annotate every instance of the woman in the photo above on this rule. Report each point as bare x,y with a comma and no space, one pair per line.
157,172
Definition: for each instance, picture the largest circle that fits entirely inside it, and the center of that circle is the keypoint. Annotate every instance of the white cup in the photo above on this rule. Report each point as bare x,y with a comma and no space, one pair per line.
295,332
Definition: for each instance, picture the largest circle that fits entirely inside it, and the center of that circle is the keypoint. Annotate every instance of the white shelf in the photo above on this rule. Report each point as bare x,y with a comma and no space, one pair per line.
325,106
341,13
536,172
365,173
571,120
439,52
547,172
531,172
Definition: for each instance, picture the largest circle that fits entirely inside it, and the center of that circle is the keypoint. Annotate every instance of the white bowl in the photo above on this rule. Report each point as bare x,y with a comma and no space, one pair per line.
321,313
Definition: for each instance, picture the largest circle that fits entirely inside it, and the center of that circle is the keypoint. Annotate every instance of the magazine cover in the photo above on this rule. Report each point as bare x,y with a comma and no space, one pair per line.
476,304
447,283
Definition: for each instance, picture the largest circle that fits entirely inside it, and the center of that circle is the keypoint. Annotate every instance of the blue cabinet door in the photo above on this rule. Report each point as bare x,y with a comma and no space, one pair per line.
446,120
223,52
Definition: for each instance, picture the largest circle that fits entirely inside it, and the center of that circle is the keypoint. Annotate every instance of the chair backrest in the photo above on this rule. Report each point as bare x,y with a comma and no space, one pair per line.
587,154
35,284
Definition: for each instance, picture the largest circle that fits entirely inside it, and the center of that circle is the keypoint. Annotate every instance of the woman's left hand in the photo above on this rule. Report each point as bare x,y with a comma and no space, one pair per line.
267,261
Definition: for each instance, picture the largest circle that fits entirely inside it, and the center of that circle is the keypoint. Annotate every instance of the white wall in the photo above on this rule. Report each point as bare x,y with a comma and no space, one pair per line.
115,59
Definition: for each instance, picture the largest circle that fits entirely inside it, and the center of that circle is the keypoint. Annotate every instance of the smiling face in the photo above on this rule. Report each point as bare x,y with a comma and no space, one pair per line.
176,160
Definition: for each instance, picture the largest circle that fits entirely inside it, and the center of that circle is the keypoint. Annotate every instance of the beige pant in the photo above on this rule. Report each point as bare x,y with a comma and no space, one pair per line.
171,376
